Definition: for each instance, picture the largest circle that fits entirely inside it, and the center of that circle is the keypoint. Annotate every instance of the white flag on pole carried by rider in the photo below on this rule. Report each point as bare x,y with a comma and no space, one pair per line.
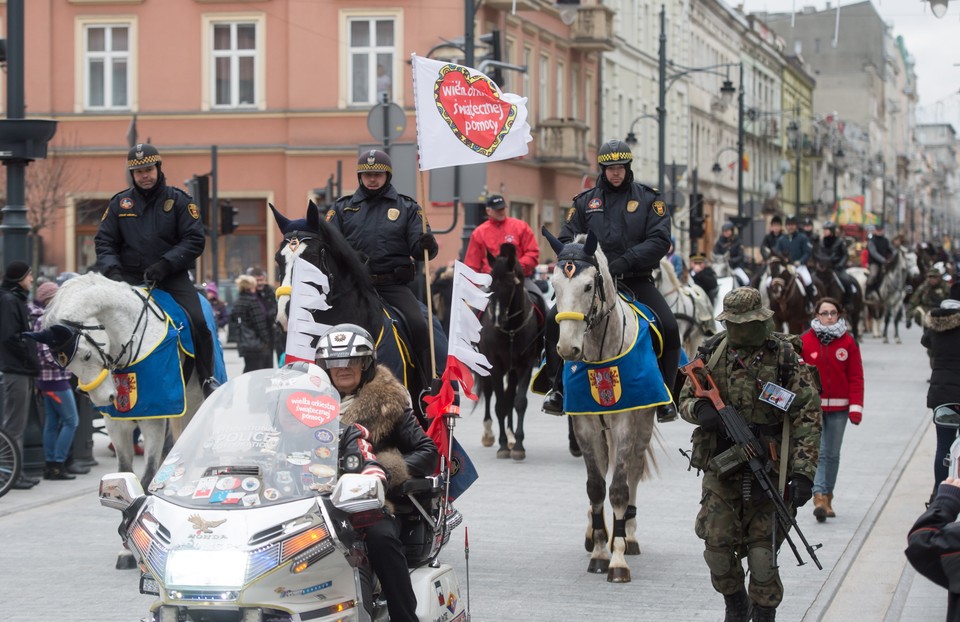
309,287
464,118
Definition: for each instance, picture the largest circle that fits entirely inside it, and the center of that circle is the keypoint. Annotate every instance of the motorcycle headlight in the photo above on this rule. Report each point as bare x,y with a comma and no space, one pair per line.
191,568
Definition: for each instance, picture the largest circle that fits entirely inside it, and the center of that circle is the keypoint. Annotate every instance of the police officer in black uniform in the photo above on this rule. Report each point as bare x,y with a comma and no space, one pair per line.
151,233
833,248
633,227
387,228
704,276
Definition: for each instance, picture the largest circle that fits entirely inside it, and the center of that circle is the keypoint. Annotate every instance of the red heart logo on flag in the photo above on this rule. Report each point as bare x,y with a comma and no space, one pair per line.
472,107
313,410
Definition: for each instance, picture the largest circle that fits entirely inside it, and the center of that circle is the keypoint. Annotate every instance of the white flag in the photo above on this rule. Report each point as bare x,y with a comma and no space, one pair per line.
464,325
464,118
309,287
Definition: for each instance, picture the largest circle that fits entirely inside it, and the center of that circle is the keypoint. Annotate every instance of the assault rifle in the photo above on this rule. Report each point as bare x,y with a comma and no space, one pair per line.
748,449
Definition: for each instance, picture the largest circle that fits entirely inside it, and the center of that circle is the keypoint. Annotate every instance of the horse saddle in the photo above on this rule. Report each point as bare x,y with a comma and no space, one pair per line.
396,327
181,321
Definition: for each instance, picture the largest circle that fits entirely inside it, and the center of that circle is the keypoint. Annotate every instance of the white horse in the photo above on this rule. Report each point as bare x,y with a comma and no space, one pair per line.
594,326
690,305
108,325
892,292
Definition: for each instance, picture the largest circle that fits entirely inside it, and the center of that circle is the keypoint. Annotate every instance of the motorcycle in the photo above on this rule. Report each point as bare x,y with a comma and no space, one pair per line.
247,520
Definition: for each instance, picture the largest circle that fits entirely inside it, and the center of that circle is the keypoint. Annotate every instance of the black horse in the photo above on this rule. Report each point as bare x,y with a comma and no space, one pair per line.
511,339
351,296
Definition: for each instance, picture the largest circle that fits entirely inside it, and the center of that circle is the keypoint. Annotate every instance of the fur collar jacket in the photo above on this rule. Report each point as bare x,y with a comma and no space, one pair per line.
942,320
382,406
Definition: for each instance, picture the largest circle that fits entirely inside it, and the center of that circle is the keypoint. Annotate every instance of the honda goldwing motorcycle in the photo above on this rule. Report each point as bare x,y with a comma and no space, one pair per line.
247,520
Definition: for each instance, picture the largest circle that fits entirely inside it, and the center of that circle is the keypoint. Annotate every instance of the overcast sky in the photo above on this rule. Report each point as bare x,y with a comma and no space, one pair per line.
934,44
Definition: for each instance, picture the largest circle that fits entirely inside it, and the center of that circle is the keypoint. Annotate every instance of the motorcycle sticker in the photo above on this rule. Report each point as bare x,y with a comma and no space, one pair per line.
322,470
217,496
228,483
250,484
323,452
284,477
325,436
169,492
299,458
233,498
186,491
205,487
173,457
178,474
312,410
163,474
250,500
271,494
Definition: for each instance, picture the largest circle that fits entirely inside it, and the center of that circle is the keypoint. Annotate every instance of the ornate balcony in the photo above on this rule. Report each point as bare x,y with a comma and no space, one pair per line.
562,144
507,5
593,29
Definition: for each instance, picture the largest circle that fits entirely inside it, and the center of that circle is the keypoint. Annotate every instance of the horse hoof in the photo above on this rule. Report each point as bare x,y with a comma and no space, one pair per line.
618,575
126,561
487,439
632,548
503,454
598,566
898,340
518,454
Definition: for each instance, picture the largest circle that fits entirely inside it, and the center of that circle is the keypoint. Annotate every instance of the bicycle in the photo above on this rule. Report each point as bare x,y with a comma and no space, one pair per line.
11,462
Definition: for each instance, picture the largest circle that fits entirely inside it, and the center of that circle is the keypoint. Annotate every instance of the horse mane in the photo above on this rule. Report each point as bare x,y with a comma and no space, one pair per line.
75,300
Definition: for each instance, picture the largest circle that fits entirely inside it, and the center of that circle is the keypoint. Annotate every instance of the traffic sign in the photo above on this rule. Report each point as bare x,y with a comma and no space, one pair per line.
386,122
674,198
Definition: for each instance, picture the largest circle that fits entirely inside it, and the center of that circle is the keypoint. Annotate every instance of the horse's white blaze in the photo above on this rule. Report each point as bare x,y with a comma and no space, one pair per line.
288,255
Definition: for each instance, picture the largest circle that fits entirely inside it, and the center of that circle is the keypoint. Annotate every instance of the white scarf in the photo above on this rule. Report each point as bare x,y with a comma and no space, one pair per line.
826,334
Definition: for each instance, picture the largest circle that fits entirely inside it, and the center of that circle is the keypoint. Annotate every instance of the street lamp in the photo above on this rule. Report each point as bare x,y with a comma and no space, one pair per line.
796,137
938,7
631,138
726,93
837,163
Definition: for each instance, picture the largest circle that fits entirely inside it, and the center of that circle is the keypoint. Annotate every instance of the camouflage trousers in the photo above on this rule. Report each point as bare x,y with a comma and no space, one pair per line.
732,530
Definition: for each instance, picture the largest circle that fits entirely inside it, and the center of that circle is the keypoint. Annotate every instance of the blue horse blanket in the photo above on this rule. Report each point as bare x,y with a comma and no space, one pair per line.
629,381
163,392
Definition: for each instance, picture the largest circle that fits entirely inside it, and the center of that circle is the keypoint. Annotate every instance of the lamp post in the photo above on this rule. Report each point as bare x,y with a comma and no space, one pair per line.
726,92
796,137
631,138
837,163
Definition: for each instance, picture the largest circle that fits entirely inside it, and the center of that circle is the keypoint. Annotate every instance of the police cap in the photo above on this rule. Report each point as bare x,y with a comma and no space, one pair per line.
697,256
142,156
374,161
614,152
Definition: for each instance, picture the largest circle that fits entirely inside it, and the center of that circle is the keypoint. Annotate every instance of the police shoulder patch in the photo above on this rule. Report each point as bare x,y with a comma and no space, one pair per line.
194,212
659,208
330,214
570,214
106,213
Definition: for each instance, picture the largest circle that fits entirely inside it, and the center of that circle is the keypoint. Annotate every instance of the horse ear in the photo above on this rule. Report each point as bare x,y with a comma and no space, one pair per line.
281,220
590,246
313,216
44,336
490,258
555,244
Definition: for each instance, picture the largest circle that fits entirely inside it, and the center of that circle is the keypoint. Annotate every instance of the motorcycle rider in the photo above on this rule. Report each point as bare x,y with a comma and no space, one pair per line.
633,228
151,233
371,397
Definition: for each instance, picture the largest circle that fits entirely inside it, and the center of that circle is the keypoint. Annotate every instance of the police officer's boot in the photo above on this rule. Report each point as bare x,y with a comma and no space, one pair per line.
669,360
210,385
738,607
764,614
553,400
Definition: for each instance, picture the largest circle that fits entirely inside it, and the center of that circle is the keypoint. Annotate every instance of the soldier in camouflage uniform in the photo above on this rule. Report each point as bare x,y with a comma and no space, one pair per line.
736,519
927,297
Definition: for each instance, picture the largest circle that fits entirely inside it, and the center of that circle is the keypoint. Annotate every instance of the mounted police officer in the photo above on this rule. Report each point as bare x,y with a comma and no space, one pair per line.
633,227
704,276
795,248
833,249
753,368
879,254
387,228
151,233
768,246
729,244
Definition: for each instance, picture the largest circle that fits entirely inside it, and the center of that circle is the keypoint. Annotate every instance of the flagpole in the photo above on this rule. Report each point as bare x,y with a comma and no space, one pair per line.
426,278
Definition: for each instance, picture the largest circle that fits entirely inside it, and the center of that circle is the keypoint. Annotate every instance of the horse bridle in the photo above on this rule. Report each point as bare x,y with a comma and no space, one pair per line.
111,363
596,313
293,240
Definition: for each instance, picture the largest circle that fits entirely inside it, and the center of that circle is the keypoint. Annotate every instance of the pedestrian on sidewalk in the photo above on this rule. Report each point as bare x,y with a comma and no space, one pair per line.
254,329
59,406
941,337
933,545
830,347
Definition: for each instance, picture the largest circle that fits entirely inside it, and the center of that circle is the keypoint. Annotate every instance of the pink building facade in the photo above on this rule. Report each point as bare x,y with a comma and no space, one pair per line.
283,89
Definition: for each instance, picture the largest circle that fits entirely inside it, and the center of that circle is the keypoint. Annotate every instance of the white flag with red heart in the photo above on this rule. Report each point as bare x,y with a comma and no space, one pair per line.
464,118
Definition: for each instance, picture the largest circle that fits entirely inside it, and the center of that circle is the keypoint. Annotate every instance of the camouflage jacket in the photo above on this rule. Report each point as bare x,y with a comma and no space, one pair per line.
776,361
929,297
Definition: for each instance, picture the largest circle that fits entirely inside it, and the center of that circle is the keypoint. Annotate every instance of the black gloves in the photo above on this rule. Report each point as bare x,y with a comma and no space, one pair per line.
429,244
707,416
801,489
157,272
113,273
618,266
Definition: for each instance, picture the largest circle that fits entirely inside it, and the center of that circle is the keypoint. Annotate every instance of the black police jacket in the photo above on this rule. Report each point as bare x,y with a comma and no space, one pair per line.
18,354
835,249
386,228
732,247
633,224
139,229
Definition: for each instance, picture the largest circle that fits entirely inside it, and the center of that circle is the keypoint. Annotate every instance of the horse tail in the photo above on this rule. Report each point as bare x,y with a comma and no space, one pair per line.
650,457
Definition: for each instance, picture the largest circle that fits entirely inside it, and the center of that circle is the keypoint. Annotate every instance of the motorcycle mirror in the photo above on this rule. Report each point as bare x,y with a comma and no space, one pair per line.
119,490
947,415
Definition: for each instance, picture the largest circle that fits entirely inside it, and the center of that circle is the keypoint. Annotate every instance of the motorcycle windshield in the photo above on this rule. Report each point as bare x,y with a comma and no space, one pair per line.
264,438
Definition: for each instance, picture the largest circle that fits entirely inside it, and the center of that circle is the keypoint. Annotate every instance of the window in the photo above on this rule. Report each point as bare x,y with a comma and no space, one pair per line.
527,62
106,66
234,64
559,88
372,49
544,77
575,95
588,100
88,213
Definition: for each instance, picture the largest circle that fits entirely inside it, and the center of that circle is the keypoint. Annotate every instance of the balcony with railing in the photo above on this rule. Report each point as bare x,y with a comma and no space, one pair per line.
592,31
507,5
562,144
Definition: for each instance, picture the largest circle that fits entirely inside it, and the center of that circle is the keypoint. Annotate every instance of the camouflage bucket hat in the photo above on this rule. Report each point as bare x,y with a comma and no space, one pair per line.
744,305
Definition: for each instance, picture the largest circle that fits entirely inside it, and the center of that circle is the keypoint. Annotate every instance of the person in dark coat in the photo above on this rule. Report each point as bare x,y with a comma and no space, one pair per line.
388,228
941,337
933,545
795,248
768,246
252,326
729,244
18,356
704,276
370,396
632,226
151,233
879,253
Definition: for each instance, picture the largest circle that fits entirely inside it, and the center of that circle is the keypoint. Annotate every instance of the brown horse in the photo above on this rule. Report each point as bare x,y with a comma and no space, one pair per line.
833,287
786,298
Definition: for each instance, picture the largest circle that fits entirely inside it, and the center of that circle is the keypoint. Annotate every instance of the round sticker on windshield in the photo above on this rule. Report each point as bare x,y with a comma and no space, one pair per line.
250,484
323,452
228,483
271,494
299,458
322,470
324,436
186,491
312,410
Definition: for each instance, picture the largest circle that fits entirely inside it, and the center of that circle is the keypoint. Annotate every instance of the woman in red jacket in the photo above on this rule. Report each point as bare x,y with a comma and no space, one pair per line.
836,355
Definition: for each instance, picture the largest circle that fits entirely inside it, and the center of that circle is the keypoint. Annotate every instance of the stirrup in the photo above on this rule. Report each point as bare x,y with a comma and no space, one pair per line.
210,385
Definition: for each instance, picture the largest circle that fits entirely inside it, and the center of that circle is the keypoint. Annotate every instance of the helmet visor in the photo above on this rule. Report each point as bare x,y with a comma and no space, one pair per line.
353,361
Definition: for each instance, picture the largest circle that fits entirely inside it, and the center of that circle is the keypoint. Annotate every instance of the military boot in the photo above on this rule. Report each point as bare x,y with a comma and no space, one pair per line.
738,607
764,614
820,507
829,506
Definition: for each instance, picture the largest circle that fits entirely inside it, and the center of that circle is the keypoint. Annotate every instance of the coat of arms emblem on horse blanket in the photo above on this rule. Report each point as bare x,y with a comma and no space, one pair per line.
629,381
148,388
